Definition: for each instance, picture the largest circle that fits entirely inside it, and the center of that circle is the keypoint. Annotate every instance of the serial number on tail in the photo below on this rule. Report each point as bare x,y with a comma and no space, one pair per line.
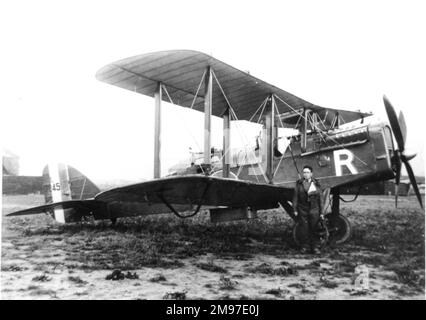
56,186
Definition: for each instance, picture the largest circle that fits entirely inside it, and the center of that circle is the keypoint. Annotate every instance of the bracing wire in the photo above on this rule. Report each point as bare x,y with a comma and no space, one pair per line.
198,89
171,101
325,133
282,125
236,118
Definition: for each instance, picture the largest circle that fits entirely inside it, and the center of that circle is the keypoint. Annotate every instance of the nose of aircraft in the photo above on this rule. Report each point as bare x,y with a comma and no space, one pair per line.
399,130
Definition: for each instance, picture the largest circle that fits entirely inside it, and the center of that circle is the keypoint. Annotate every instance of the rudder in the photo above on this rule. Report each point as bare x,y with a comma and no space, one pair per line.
62,183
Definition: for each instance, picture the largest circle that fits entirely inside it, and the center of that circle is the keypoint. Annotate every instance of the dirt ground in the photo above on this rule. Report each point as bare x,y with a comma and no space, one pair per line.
164,257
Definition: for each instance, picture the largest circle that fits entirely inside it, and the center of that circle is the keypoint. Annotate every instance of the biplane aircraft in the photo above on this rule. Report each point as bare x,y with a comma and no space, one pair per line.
340,156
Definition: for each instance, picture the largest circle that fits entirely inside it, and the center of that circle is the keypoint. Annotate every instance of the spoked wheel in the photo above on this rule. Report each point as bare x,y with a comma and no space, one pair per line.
338,227
322,233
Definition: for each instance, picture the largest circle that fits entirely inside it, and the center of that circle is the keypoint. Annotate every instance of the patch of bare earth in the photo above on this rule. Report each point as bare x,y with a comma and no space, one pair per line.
163,257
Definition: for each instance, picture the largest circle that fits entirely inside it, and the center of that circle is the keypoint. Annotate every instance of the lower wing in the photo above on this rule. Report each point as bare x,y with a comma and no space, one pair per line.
170,194
200,190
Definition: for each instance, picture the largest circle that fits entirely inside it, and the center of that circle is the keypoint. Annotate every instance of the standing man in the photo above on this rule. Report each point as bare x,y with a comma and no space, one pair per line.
308,206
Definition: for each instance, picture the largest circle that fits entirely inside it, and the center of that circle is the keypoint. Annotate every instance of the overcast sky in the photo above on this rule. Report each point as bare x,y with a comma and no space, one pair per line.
337,54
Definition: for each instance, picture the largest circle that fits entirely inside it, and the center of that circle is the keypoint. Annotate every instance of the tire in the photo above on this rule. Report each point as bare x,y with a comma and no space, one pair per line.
339,228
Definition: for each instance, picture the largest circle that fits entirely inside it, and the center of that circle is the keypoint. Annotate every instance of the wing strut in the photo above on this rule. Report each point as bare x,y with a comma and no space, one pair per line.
226,159
157,132
208,104
270,125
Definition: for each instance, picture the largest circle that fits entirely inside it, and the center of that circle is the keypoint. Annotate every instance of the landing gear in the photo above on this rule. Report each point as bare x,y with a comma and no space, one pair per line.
321,233
338,227
334,229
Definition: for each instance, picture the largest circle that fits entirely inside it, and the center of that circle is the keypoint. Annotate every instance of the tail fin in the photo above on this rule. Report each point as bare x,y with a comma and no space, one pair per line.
63,183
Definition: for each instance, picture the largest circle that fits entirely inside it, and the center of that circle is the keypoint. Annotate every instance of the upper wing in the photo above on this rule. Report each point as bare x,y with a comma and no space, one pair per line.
181,72
200,190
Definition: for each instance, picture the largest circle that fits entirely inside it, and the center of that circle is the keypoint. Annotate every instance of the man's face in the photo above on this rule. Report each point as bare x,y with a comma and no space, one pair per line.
307,174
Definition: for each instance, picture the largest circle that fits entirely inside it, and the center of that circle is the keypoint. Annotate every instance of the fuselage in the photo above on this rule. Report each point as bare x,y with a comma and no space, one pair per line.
338,157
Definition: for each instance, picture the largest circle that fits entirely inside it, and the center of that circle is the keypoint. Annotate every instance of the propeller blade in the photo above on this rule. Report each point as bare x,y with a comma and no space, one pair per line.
393,120
412,180
397,180
398,173
396,195
409,156
403,126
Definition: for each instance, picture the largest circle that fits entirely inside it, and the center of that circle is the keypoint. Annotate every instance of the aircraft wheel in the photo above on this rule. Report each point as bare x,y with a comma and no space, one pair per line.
322,234
339,228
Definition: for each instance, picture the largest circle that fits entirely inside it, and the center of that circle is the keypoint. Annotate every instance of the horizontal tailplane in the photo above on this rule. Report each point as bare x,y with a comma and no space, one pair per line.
70,211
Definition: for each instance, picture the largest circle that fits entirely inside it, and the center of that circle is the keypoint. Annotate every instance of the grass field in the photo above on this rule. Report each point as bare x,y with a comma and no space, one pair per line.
195,259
